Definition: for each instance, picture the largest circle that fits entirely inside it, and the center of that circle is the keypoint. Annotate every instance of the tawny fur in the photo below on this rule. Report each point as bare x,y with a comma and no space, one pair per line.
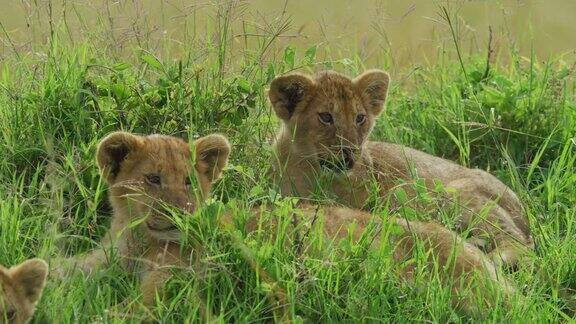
147,176
471,276
151,247
20,289
491,211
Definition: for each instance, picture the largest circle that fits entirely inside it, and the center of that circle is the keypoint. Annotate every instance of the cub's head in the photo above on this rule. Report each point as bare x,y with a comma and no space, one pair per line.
150,175
330,116
20,289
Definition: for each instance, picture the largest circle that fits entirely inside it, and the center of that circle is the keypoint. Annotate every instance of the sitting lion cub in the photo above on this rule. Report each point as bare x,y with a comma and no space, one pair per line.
326,121
147,176
20,289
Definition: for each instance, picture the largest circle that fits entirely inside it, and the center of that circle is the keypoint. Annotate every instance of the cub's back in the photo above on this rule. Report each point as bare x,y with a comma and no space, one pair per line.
398,160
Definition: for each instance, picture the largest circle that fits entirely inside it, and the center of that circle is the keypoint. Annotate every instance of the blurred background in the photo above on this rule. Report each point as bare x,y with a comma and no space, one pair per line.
379,32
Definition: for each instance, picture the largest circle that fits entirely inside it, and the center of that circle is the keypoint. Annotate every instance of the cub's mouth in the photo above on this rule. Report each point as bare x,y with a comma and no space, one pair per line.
338,166
164,232
158,228
340,162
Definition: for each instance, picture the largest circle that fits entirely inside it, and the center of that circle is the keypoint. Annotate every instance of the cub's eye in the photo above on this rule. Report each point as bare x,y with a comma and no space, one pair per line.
153,179
326,118
11,315
188,182
360,119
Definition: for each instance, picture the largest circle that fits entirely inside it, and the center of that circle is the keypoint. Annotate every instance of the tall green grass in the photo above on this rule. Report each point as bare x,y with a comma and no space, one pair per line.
515,118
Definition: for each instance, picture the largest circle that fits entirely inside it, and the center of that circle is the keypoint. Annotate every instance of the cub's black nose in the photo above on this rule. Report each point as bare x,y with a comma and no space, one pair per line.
348,158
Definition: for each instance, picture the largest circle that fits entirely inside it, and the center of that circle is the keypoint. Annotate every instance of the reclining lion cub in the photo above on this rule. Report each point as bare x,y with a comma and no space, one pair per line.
146,174
326,121
471,276
20,289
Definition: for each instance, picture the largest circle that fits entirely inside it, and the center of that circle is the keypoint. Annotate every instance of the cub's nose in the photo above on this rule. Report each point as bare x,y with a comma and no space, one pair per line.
348,158
182,202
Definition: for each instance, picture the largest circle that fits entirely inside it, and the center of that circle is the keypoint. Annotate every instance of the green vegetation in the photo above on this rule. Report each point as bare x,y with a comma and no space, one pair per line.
515,118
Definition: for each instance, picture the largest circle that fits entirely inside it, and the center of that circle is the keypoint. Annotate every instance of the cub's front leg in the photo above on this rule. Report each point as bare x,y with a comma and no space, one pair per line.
159,262
152,285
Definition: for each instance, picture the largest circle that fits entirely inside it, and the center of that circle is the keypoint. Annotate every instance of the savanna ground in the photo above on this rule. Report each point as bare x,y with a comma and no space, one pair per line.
499,108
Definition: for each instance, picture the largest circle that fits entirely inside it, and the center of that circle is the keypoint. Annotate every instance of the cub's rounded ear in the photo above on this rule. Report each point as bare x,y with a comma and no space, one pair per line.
113,150
30,276
289,93
373,85
212,154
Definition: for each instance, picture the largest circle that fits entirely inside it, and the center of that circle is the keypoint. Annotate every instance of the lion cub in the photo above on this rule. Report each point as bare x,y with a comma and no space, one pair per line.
326,121
148,176
471,276
20,289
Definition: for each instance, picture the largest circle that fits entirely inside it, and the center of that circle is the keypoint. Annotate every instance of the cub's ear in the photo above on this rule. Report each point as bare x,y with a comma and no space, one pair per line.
212,153
113,150
30,277
289,93
373,85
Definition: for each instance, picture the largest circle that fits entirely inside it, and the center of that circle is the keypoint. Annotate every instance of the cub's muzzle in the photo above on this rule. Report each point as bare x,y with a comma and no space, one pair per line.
341,162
